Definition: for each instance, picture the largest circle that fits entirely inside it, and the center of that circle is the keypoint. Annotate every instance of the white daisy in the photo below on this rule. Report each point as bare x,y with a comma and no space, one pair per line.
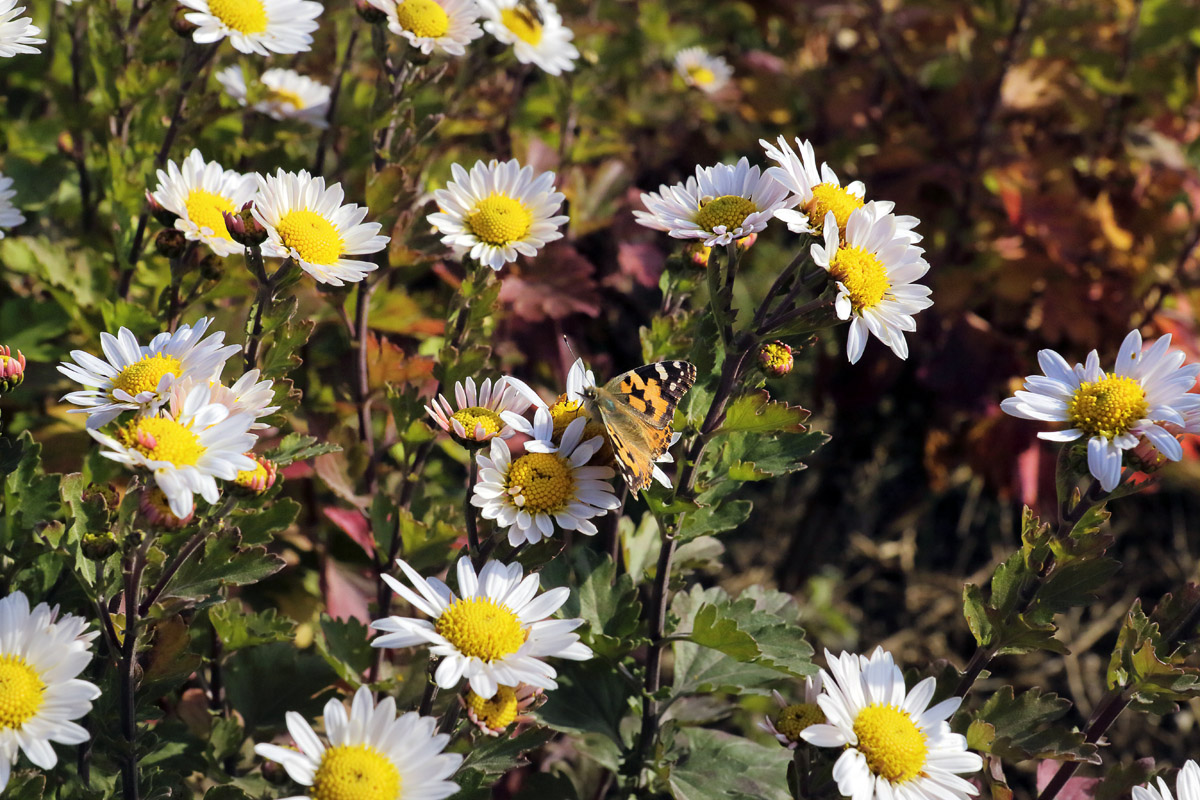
247,395
372,754
708,73
477,418
794,718
446,26
1113,409
197,193
895,747
551,484
498,211
139,377
719,204
40,657
307,222
185,452
286,95
535,30
814,193
874,268
10,215
255,26
493,632
17,33
1187,786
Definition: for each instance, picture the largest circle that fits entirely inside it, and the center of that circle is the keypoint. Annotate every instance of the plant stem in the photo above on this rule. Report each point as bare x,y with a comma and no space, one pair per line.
658,616
262,299
431,690
334,94
128,707
469,513
362,386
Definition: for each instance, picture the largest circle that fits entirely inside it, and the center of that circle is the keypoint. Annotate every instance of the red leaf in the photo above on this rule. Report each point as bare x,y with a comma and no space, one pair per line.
344,597
354,525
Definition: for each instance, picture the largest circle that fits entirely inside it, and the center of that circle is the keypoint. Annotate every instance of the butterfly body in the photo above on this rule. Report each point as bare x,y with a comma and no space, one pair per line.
636,409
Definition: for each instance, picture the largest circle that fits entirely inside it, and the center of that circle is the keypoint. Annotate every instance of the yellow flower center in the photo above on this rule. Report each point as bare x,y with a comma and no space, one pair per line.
564,412
1108,407
281,96
497,713
541,482
891,742
475,415
204,208
481,628
522,23
729,210
144,375
243,16
830,197
355,772
312,236
499,219
163,439
701,76
795,718
863,275
21,691
423,18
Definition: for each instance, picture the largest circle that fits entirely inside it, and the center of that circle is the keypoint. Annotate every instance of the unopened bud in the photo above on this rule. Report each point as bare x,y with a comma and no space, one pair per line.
12,369
370,12
180,23
163,216
244,228
776,359
99,546
259,479
66,144
1145,457
105,493
170,243
212,267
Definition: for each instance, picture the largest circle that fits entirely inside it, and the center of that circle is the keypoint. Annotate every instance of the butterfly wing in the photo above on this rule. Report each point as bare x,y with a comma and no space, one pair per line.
636,446
653,391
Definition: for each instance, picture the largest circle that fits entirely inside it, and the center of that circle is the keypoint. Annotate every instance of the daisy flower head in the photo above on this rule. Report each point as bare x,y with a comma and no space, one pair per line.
446,26
718,205
535,30
1187,786
492,716
895,746
815,192
10,215
371,754
477,418
498,211
494,632
550,485
186,452
197,193
247,395
140,377
288,95
794,718
307,222
702,70
261,27
17,34
41,655
1146,390
874,267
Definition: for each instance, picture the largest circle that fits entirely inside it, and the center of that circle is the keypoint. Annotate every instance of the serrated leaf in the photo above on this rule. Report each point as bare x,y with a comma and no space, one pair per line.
590,698
238,628
345,646
224,563
716,518
722,633
1028,725
720,766
756,412
497,755
607,602
299,447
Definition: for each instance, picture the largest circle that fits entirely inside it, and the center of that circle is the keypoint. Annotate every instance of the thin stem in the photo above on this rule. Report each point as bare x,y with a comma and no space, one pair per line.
334,94
469,513
658,616
784,276
783,318
128,705
362,387
431,690
262,299
190,547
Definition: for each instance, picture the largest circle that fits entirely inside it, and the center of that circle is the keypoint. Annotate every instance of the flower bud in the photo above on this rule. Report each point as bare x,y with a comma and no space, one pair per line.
12,369
163,216
1147,458
180,23
170,243
211,267
66,144
99,546
776,359
370,12
153,507
699,254
259,479
244,228
105,493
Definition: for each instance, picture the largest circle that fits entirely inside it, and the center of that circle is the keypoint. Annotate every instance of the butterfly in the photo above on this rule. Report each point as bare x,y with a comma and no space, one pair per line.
636,409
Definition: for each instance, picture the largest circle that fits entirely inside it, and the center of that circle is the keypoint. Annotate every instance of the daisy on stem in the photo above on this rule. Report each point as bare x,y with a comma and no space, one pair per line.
535,30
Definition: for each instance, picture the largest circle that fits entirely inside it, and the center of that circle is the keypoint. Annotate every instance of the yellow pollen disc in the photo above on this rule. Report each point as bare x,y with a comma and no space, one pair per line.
498,219
475,415
204,208
243,16
355,772
282,96
312,236
523,24
828,197
702,76
1109,407
144,375
729,210
163,439
21,691
497,713
564,412
481,628
891,742
544,480
795,718
250,478
423,18
863,275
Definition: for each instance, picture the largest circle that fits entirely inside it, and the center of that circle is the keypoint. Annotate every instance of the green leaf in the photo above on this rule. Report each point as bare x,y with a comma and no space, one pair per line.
237,628
1029,725
30,495
607,602
224,563
977,613
723,634
345,646
259,525
298,447
590,698
496,755
720,766
756,412
716,518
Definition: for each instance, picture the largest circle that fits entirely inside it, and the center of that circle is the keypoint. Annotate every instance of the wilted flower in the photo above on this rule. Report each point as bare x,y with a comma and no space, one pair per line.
794,718
243,228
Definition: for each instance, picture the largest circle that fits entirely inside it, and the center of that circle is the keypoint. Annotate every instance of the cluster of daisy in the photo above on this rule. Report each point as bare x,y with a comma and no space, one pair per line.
168,412
870,253
302,219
